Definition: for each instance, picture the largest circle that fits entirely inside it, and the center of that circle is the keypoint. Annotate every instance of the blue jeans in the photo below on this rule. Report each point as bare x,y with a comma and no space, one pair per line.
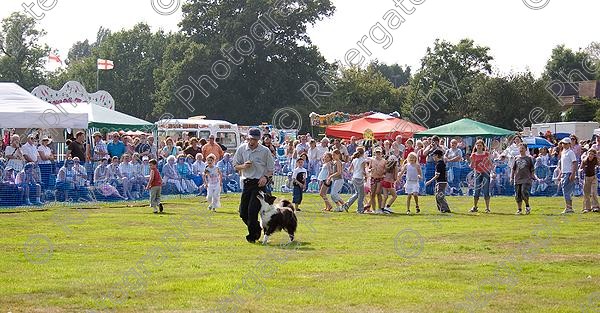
359,193
568,186
482,185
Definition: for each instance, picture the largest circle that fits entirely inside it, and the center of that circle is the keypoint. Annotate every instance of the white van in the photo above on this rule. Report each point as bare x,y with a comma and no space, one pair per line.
227,133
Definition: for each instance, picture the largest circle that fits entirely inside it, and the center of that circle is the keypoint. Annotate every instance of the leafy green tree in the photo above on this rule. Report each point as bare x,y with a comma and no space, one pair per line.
22,57
255,54
361,90
448,73
568,66
395,73
586,112
512,102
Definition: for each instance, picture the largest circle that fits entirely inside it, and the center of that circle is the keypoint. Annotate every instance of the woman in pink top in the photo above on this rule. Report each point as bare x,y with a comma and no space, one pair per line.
481,163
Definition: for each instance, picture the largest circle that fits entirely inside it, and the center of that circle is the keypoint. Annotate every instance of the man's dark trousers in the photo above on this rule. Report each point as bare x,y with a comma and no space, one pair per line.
249,208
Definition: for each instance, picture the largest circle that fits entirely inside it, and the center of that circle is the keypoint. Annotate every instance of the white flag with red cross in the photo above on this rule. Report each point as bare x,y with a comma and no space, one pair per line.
105,64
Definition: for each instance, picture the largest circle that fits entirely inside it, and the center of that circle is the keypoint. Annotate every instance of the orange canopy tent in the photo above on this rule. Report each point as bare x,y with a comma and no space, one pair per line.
382,125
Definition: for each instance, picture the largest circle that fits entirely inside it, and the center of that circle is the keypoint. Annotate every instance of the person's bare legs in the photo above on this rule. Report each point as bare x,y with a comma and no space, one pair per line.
394,196
379,195
408,202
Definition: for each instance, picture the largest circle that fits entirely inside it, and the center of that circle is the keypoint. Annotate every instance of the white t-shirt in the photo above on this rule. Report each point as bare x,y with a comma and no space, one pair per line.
313,153
321,151
567,158
31,151
45,151
398,149
357,168
298,171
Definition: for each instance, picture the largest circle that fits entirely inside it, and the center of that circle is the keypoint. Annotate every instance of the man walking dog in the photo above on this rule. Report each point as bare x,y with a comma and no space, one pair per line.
256,165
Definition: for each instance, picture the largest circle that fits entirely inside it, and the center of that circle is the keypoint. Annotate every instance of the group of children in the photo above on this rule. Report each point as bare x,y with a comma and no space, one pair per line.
384,175
212,179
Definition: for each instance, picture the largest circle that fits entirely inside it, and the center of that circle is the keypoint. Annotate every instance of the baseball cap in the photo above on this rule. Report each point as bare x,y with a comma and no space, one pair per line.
254,133
378,149
145,158
46,138
566,140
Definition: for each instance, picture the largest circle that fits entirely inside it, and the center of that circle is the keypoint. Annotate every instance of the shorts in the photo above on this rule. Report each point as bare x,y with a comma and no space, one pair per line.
411,187
375,181
297,195
387,184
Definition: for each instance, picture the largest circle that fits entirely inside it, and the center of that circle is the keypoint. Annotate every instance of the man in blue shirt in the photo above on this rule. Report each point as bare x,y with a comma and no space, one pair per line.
116,147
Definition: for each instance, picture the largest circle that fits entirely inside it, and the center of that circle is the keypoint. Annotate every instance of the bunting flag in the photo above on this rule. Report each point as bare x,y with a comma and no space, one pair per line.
54,57
105,64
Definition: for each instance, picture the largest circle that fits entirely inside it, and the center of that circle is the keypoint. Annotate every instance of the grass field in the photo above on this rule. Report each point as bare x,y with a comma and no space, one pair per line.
124,258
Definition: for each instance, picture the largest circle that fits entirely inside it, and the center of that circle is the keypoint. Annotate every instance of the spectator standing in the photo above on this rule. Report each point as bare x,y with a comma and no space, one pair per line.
29,150
169,149
590,184
212,148
576,147
453,158
267,141
567,173
398,148
129,145
351,147
153,149
46,161
325,183
100,148
116,148
143,147
14,154
77,148
408,149
193,148
337,181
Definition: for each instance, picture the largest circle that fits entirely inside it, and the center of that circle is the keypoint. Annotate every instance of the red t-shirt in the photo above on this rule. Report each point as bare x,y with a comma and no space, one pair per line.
407,150
481,162
156,179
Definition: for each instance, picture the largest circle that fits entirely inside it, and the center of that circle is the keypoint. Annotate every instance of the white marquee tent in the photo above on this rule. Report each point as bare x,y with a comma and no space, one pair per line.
20,109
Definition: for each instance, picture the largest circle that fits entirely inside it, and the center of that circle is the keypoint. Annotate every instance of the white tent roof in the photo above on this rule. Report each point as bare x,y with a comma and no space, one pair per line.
103,118
20,109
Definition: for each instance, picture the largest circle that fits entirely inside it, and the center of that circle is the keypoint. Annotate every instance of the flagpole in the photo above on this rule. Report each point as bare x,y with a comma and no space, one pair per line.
97,79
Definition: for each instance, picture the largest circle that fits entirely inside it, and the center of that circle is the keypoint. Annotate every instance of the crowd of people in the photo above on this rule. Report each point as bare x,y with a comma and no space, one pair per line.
113,168
118,166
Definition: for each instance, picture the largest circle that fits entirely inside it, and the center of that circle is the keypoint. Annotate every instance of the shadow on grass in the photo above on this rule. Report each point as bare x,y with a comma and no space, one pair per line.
296,245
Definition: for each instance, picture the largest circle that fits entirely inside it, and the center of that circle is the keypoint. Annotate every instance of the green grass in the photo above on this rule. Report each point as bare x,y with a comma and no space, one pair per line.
68,260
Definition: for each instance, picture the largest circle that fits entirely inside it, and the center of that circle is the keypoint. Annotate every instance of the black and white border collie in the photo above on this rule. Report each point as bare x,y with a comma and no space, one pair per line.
276,217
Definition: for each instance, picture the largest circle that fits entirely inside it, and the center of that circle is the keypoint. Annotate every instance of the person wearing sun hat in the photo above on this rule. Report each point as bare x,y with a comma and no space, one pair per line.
100,149
567,173
46,160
